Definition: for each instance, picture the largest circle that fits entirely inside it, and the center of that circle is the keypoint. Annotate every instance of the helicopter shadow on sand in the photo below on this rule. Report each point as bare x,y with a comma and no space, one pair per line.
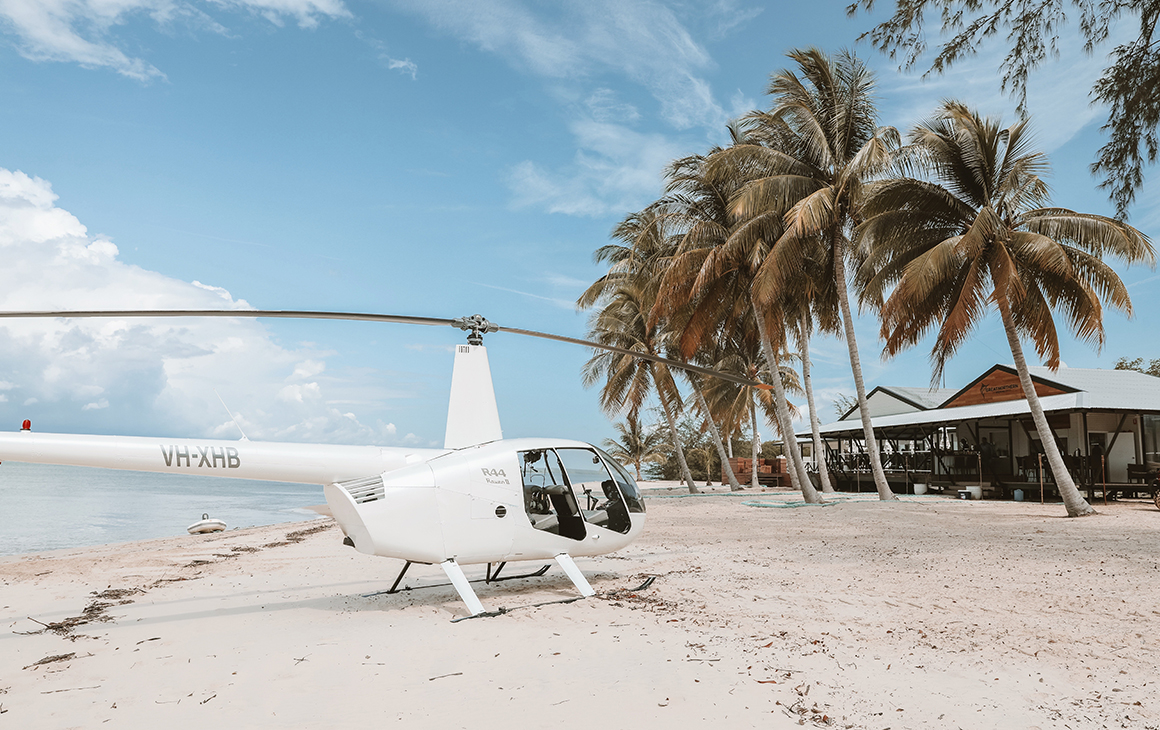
424,591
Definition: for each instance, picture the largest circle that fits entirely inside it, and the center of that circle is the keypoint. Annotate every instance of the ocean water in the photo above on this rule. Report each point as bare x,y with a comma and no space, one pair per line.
47,507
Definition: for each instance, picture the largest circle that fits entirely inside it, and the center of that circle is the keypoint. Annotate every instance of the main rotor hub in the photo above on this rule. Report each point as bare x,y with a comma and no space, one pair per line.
476,327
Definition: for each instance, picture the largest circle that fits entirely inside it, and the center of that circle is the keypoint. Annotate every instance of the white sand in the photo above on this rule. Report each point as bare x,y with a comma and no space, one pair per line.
932,614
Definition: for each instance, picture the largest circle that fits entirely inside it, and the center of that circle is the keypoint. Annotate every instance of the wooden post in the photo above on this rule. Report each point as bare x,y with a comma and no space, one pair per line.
1104,478
1040,478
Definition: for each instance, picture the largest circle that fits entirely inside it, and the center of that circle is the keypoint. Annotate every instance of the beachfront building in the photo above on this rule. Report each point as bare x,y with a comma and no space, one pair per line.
1106,423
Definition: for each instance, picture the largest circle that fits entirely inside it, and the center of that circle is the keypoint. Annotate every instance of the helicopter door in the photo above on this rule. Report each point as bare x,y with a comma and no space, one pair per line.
604,503
548,499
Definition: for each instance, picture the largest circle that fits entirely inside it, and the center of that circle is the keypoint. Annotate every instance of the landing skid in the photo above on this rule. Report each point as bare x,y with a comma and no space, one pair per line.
492,577
467,594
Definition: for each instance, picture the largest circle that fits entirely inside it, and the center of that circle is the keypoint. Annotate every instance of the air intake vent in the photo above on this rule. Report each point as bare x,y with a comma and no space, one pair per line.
366,489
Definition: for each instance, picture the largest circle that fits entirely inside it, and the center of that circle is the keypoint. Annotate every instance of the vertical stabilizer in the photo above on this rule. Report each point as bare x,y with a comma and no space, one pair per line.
472,416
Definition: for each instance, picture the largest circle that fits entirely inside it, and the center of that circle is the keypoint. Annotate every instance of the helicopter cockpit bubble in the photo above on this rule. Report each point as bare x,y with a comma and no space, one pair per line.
624,481
589,473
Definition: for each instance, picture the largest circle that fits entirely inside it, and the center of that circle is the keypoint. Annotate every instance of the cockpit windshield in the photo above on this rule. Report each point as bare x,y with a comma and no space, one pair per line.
588,475
566,489
625,481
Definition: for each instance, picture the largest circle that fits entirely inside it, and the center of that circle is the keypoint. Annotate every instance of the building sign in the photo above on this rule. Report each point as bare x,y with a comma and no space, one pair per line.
996,386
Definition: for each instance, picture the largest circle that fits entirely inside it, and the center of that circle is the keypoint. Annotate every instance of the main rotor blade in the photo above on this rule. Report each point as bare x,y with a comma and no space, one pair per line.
643,356
274,313
462,323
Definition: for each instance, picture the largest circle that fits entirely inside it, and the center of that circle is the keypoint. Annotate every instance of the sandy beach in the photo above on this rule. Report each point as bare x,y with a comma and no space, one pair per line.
930,613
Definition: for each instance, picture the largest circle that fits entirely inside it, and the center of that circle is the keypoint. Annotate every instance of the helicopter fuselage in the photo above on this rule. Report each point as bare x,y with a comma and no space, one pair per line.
488,504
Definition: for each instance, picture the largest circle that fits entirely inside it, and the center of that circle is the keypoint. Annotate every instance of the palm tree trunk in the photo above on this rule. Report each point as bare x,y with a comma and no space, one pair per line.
729,444
884,492
677,445
815,429
797,470
734,485
1076,505
755,444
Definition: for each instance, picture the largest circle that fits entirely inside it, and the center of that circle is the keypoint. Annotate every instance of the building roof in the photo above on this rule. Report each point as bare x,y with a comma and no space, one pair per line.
1114,389
926,398
1094,389
919,399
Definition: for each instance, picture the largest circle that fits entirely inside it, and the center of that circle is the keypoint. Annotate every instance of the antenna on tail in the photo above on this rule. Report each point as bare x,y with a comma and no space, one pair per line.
219,395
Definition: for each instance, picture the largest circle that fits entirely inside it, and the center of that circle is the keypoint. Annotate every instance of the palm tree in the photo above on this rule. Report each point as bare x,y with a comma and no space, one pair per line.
708,279
714,432
980,234
626,299
635,445
734,403
819,145
640,260
805,328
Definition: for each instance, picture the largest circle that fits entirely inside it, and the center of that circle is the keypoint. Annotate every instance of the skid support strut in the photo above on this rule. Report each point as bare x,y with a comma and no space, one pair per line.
395,585
565,561
462,586
493,575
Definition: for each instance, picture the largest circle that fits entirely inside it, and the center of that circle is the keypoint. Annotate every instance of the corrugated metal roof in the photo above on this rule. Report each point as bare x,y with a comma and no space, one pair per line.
1122,390
1115,389
926,397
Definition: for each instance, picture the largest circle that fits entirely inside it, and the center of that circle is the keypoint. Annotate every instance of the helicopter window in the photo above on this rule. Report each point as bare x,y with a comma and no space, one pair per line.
603,496
625,481
548,500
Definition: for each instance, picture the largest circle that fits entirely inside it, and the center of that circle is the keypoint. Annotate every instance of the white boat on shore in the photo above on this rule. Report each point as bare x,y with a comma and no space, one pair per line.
206,524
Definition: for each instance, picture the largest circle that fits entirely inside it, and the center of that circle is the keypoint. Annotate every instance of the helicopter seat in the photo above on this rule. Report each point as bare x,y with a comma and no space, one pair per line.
596,517
547,522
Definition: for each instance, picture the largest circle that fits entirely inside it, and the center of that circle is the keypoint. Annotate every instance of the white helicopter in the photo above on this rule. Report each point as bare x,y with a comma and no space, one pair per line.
480,499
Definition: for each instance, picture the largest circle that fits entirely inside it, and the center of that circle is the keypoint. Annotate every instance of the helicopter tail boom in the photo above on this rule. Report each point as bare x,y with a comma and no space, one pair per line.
270,461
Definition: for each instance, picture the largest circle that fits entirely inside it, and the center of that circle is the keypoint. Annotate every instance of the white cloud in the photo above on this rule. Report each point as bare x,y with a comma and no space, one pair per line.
406,66
561,303
307,369
727,16
300,393
584,48
305,12
604,106
222,293
84,31
641,40
140,375
615,169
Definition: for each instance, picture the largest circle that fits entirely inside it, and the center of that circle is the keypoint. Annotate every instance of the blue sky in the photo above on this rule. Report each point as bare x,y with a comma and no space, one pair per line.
429,158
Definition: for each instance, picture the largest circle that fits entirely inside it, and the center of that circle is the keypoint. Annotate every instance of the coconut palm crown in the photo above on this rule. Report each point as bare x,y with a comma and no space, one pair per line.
819,146
980,233
705,291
